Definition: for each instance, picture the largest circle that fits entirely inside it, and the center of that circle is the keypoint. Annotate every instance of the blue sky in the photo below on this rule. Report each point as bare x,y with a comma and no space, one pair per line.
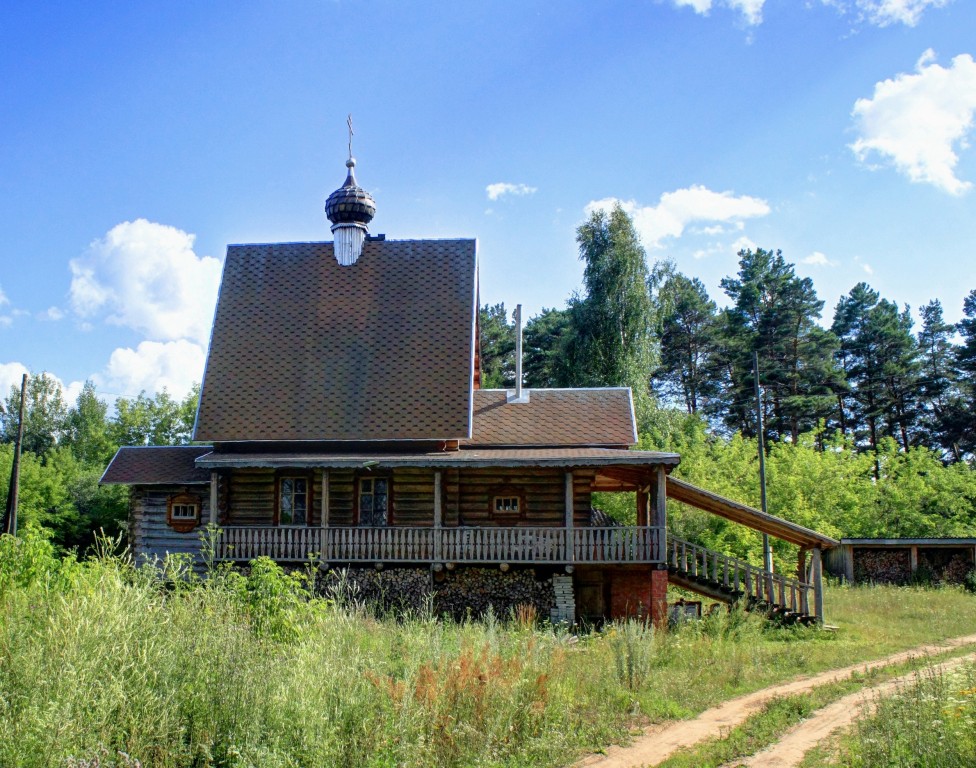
139,139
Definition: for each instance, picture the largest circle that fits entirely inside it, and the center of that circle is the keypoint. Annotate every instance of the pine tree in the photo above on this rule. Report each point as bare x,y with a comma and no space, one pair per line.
938,385
774,314
689,336
497,337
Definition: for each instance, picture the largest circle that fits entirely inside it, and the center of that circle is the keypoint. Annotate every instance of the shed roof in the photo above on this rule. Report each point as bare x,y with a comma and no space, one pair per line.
306,349
685,492
554,417
157,465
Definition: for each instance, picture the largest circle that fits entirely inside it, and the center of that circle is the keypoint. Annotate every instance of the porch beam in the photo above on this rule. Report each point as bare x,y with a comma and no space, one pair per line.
569,517
438,514
213,498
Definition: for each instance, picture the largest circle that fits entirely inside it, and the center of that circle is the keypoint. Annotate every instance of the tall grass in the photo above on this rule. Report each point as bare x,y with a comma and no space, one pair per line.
102,663
931,724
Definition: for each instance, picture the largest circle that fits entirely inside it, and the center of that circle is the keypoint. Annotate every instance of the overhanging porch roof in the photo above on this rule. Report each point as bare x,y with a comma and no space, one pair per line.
499,457
686,493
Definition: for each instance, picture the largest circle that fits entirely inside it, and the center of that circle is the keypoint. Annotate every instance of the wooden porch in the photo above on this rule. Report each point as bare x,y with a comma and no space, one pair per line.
466,545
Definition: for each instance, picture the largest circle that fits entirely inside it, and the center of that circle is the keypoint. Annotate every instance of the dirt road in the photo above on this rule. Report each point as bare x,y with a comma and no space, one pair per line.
657,743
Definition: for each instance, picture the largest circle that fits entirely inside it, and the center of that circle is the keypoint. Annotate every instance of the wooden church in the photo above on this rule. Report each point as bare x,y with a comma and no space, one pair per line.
345,424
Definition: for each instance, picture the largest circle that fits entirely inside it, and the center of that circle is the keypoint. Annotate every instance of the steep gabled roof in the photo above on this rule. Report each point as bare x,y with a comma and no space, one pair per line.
306,349
554,417
157,465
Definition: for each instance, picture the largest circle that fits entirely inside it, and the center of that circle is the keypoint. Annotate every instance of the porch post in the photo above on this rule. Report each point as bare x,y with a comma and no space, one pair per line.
801,564
661,512
438,516
213,497
816,567
569,517
324,517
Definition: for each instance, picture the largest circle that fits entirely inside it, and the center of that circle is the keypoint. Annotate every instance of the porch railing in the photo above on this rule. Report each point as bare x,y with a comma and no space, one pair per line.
618,544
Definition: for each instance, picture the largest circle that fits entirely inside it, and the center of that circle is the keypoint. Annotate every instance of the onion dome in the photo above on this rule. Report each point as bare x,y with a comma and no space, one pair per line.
350,209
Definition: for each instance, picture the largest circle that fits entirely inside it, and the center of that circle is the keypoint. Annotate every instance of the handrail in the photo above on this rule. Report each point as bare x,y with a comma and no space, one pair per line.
463,544
740,578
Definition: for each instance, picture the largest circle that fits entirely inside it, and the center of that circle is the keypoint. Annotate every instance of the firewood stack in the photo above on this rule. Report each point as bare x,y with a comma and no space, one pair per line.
462,593
883,566
471,591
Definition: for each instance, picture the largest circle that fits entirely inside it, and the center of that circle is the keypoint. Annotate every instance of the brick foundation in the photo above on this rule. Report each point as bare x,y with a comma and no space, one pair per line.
639,592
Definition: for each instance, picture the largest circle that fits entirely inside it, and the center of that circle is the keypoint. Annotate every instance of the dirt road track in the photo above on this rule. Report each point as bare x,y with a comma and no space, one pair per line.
788,752
658,742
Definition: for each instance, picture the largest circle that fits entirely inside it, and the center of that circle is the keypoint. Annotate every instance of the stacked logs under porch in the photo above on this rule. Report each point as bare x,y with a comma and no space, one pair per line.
461,593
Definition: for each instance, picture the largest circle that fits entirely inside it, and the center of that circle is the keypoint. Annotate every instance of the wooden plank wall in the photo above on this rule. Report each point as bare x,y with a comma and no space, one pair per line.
544,490
149,535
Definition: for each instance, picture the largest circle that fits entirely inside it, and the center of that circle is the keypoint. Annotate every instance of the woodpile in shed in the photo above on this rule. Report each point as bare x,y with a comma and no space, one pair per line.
883,566
944,565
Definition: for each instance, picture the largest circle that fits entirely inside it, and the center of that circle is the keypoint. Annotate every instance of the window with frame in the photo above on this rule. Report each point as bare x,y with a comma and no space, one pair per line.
374,501
293,501
507,505
183,512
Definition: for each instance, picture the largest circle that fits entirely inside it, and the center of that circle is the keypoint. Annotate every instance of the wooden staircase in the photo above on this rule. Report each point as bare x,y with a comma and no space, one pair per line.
730,580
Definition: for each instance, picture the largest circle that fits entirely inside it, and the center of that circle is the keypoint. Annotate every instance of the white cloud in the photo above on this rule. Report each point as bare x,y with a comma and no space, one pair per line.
153,366
818,259
6,321
145,276
11,374
52,313
503,188
743,244
883,13
3,297
868,269
915,121
677,210
751,10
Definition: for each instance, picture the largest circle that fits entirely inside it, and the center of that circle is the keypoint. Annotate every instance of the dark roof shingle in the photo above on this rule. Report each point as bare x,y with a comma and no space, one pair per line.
157,465
306,349
554,417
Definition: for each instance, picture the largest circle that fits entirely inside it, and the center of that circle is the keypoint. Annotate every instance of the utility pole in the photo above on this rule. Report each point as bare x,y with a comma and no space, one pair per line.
10,514
767,549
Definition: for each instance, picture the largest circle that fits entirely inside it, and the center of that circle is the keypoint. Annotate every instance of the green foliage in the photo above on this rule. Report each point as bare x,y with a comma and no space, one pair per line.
822,482
774,314
157,420
107,664
497,347
611,341
544,349
45,414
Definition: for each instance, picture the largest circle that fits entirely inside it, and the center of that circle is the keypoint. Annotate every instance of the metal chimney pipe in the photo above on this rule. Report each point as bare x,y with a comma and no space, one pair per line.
518,351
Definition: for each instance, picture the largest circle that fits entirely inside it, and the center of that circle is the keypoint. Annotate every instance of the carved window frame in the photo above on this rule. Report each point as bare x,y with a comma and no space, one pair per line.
179,503
500,501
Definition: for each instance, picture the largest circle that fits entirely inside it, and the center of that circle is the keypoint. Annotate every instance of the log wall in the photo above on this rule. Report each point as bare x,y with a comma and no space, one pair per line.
149,535
467,494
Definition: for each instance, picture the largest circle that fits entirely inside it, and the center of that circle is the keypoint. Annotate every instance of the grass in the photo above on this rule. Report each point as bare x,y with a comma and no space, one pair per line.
929,724
105,664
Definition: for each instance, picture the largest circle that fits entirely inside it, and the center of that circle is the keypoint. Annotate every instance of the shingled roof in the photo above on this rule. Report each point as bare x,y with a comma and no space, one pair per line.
554,417
306,349
157,465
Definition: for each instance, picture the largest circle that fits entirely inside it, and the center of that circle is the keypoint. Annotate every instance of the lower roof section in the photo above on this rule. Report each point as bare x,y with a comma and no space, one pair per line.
507,457
157,465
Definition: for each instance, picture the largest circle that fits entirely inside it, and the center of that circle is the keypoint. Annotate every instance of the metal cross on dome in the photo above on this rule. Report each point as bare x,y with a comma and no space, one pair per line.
349,123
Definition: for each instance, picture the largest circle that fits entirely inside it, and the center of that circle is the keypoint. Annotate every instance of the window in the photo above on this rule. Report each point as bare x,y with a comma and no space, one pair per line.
506,505
374,501
293,501
183,512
